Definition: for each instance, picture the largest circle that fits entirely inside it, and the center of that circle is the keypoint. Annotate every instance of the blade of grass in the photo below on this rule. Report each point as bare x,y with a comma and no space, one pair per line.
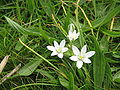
71,82
107,18
34,84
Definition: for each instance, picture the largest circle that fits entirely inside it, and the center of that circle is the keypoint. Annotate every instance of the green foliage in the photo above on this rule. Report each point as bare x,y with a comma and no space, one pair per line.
29,68
28,26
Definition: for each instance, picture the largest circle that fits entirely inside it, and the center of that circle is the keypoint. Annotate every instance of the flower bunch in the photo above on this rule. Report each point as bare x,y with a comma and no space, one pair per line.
79,56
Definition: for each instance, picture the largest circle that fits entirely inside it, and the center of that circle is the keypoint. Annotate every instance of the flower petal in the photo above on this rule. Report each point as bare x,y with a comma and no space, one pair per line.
74,32
51,48
62,43
70,38
56,45
70,32
83,50
64,49
74,58
79,64
60,55
72,27
54,53
89,54
78,34
75,50
86,60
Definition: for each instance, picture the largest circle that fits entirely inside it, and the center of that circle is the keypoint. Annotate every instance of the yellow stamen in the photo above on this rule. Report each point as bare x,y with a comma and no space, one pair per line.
80,57
59,50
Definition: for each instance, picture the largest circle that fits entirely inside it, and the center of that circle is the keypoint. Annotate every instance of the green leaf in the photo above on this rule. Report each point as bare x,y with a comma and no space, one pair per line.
71,81
21,29
111,33
29,31
47,6
116,77
108,77
67,83
114,69
99,64
104,44
107,18
116,54
64,82
31,5
112,60
47,74
30,67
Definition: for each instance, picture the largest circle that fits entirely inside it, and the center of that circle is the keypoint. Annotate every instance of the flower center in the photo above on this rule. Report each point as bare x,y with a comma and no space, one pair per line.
81,57
59,50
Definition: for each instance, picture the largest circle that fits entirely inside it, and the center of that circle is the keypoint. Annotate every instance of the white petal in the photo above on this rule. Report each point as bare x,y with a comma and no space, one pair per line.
76,37
70,32
90,54
83,50
60,55
56,44
70,38
86,60
54,53
51,48
78,34
74,32
74,58
71,26
62,43
79,64
75,50
64,49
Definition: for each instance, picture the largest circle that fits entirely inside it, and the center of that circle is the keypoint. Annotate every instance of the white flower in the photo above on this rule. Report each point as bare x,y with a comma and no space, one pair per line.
81,56
72,27
72,35
58,49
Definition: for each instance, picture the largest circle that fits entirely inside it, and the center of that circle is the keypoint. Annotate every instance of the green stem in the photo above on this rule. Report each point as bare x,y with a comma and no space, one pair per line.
34,85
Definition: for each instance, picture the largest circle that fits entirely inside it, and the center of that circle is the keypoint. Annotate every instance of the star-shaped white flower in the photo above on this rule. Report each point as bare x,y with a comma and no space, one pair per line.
58,49
81,56
72,35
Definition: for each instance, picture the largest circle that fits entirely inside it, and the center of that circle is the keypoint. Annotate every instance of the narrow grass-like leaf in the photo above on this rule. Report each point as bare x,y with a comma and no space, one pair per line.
64,82
111,33
16,26
71,81
47,74
105,19
34,84
104,44
108,77
99,64
31,5
30,67
29,31
94,4
116,77
47,6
